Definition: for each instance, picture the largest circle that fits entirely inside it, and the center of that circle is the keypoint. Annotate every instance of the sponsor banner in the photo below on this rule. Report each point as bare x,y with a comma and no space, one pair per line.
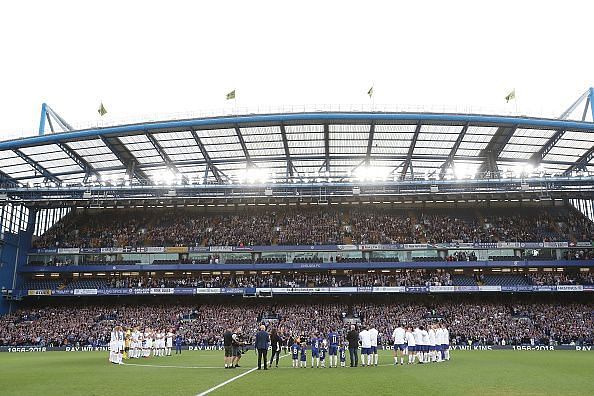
416,289
68,250
587,244
90,250
588,287
365,289
544,288
208,290
570,288
347,247
184,290
532,245
176,249
85,292
115,292
232,290
489,288
556,244
466,288
65,292
197,348
416,246
389,289
39,292
508,245
198,249
221,249
310,265
45,250
112,250
371,247
142,291
243,249
162,290
487,245
441,289
154,249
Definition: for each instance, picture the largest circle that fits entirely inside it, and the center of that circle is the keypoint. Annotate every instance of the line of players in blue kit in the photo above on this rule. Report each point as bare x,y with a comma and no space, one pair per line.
320,347
418,344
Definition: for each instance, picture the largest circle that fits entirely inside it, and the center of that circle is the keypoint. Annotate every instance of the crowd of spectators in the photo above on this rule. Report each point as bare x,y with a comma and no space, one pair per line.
560,278
310,226
479,323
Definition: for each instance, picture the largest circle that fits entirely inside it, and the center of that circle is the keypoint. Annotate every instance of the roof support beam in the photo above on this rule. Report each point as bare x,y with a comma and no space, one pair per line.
453,151
327,147
6,179
411,149
546,148
161,152
494,148
370,142
581,163
248,159
38,168
290,166
218,175
80,161
122,153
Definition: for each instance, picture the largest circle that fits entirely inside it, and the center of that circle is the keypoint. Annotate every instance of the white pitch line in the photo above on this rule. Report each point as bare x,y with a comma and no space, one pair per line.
206,392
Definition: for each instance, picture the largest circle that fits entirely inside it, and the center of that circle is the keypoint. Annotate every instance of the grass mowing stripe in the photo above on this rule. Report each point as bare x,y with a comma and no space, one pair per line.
181,367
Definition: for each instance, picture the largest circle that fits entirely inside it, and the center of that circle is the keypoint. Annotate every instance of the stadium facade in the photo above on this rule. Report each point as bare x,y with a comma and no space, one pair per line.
236,164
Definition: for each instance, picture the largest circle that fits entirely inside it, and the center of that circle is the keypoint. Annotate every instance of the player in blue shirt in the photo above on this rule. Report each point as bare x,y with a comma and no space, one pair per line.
315,343
295,348
303,355
323,349
333,348
342,355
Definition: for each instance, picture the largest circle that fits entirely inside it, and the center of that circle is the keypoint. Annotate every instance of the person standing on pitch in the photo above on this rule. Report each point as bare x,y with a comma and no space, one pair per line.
262,343
275,341
353,339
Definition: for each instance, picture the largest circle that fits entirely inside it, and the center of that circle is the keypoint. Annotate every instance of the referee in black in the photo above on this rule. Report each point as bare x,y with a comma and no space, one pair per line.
228,344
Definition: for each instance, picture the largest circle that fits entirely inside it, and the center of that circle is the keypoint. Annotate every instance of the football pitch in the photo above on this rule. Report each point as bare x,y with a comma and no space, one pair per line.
195,372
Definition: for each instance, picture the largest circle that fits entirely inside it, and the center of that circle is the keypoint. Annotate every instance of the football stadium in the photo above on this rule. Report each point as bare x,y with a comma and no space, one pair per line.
455,247
439,244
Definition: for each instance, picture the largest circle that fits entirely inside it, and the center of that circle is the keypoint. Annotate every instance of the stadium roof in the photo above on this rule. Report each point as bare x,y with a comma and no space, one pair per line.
302,147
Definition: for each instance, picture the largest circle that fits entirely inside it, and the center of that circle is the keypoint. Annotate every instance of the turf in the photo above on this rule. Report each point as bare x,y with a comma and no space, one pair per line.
468,373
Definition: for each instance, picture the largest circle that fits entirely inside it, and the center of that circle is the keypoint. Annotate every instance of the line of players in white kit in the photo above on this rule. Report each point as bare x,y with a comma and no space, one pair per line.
133,343
420,344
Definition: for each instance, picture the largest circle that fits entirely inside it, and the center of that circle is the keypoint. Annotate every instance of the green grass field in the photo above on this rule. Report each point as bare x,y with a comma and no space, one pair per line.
469,373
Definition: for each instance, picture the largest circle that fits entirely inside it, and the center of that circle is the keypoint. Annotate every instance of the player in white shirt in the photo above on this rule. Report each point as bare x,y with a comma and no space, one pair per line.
432,344
365,339
148,343
445,342
438,342
373,333
419,343
169,342
425,344
398,335
113,345
411,345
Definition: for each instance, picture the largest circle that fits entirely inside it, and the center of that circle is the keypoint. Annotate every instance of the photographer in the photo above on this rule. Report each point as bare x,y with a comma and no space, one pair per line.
236,347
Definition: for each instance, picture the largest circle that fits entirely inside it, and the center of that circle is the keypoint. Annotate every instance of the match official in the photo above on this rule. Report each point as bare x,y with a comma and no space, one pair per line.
262,343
